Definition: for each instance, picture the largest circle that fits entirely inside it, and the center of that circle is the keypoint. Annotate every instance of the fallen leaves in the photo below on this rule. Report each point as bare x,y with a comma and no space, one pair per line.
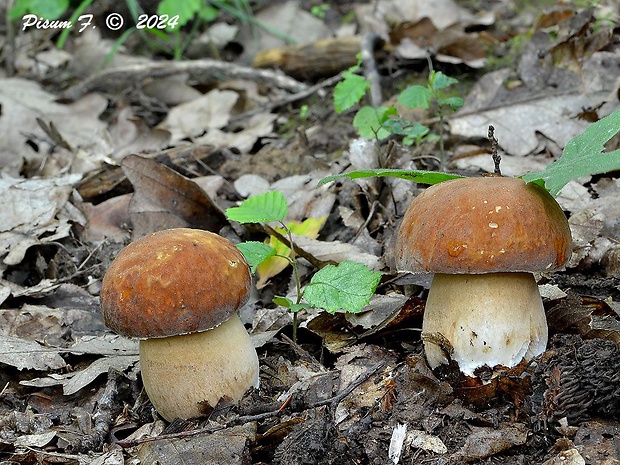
548,94
23,102
164,199
35,212
73,387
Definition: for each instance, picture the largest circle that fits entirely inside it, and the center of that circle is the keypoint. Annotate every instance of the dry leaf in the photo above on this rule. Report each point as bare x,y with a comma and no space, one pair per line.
191,119
257,126
164,199
28,355
24,101
32,213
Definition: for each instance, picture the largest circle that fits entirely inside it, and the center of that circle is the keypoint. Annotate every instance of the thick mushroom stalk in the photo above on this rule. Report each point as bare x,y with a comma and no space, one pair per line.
213,364
178,291
487,319
483,238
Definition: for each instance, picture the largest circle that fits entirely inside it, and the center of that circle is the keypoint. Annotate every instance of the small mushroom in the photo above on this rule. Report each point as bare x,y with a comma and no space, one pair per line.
483,238
178,291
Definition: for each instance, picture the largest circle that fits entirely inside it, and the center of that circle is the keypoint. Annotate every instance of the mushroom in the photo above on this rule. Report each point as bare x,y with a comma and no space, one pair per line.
178,291
483,238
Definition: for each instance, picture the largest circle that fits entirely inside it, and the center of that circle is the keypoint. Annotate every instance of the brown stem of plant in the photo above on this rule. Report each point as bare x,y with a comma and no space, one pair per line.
315,262
494,144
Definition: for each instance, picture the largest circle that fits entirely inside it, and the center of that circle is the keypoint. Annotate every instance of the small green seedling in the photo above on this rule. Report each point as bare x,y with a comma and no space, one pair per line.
320,10
347,286
583,156
381,122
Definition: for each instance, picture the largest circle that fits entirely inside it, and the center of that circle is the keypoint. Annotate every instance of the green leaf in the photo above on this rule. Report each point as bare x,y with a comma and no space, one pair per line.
440,81
263,208
348,286
415,97
255,253
186,9
349,91
46,9
422,177
415,133
369,122
412,132
582,156
208,13
453,102
288,303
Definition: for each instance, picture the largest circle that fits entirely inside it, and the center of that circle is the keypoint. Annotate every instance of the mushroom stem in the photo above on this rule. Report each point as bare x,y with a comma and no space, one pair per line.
486,319
184,375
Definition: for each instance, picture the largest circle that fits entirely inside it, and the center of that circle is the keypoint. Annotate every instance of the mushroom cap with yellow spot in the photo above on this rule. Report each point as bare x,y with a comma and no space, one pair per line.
172,282
483,225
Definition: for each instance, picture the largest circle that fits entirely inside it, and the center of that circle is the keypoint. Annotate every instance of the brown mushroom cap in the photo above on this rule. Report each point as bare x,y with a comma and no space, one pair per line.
173,282
483,225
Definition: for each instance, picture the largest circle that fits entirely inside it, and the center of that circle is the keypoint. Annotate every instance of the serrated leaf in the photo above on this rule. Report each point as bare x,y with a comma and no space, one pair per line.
255,253
452,102
288,303
369,122
415,133
440,81
415,97
582,156
348,286
349,91
264,208
422,177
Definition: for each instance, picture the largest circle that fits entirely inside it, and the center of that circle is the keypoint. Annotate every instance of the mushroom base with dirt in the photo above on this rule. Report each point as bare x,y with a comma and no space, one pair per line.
214,364
487,319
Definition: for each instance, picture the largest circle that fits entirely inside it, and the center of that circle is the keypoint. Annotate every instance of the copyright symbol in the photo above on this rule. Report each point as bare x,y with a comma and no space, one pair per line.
114,21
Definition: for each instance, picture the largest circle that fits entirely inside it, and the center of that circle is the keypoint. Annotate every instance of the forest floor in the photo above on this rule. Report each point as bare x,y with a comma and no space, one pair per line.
116,131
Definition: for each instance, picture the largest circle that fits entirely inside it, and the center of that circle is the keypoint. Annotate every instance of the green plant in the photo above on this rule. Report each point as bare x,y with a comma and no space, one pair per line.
382,122
347,286
320,10
169,38
583,156
48,9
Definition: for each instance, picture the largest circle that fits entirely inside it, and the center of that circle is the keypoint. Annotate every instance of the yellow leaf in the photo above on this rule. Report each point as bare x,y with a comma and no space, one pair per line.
275,264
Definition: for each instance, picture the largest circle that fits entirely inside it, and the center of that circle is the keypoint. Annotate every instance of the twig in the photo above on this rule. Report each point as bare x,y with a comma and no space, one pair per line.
198,70
333,401
107,409
496,156
289,99
315,262
4,389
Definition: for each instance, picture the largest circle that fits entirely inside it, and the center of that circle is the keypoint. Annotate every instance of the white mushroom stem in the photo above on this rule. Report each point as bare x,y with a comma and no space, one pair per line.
184,375
487,319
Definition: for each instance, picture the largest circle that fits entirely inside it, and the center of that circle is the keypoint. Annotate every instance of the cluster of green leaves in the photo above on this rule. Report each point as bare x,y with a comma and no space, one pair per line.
584,155
347,286
383,121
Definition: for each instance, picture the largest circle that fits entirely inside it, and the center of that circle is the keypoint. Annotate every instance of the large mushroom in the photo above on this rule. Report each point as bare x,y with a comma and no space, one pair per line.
483,238
178,291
